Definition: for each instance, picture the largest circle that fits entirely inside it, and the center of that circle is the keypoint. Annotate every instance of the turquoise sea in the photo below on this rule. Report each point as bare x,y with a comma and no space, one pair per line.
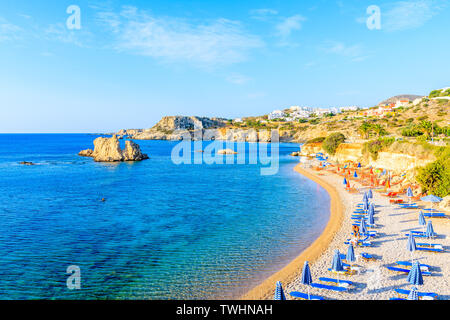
165,231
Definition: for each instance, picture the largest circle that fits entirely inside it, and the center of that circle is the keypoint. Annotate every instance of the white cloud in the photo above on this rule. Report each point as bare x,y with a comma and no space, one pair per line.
238,79
263,14
59,32
285,28
9,31
353,52
404,15
219,42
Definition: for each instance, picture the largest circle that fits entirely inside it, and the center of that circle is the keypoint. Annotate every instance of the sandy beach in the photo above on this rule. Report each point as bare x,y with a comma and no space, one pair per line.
374,281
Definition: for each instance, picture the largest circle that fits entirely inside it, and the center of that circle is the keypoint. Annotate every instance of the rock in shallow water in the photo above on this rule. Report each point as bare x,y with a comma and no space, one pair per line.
108,150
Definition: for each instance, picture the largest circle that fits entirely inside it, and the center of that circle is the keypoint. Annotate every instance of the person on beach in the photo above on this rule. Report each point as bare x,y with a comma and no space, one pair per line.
356,235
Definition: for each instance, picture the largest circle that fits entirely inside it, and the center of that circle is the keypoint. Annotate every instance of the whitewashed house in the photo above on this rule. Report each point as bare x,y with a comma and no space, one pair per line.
277,114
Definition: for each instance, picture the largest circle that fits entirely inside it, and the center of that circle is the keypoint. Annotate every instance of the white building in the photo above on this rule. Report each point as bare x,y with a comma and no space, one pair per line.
238,120
349,108
277,114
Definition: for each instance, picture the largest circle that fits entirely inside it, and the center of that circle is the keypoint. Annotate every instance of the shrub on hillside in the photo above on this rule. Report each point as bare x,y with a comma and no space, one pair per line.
332,142
435,177
373,147
315,140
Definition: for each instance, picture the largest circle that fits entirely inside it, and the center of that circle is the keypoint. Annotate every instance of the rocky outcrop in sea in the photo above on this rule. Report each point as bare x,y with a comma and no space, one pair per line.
108,150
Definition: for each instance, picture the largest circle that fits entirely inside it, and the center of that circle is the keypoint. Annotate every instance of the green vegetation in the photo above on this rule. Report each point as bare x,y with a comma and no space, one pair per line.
332,142
315,140
435,177
373,147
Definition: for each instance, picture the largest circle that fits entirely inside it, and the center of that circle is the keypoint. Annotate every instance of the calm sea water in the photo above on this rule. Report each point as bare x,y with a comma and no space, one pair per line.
164,232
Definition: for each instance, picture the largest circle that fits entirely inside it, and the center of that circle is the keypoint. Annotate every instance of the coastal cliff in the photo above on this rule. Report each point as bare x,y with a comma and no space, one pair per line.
108,150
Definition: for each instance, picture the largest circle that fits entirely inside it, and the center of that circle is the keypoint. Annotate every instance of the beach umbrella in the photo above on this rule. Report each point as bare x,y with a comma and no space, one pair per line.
432,199
370,194
348,184
336,264
359,165
411,245
409,192
422,221
355,175
350,257
413,294
306,277
388,184
345,181
372,209
371,171
366,205
371,218
279,293
415,275
430,231
363,226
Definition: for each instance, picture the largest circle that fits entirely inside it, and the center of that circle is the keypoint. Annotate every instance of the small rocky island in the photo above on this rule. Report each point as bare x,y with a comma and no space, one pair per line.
108,150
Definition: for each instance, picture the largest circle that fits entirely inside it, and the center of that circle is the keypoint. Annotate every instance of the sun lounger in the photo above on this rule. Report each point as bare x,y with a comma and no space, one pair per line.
397,299
367,257
430,245
423,267
434,215
327,287
419,234
360,243
429,249
401,270
422,295
347,272
304,296
342,283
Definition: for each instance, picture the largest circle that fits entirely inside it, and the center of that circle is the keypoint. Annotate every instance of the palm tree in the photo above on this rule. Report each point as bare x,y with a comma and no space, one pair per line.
379,130
364,129
427,128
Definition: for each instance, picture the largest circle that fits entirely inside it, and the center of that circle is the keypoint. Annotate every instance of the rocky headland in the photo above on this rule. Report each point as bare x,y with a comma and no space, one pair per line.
108,150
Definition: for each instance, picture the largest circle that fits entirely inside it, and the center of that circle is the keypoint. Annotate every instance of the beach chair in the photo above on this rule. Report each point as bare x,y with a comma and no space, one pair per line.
422,295
346,272
434,215
430,246
327,287
420,234
413,206
397,299
342,283
423,267
367,257
304,296
401,270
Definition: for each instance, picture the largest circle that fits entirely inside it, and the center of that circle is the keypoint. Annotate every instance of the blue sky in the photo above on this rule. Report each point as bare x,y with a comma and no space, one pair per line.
133,62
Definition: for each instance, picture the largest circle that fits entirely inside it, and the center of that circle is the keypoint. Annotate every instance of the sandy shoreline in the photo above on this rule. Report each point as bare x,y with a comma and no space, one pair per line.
389,246
291,271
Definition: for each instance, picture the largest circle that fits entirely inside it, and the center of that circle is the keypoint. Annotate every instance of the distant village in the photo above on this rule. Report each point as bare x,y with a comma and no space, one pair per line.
296,113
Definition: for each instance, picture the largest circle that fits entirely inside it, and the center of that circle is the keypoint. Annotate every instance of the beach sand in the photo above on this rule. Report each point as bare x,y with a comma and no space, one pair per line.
374,281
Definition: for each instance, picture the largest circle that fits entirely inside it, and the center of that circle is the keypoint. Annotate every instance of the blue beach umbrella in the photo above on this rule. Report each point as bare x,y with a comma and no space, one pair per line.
422,221
430,231
355,175
433,199
306,277
279,293
362,226
345,181
366,205
370,194
350,257
413,294
336,264
372,209
415,275
371,219
409,193
359,165
411,245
